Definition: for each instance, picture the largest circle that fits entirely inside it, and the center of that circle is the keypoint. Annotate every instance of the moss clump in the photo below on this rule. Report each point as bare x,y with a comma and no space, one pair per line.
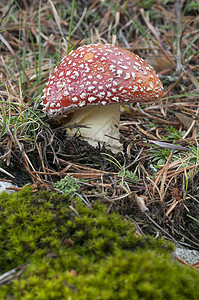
83,253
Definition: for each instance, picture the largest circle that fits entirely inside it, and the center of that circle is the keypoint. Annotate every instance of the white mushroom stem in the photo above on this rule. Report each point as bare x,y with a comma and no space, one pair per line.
102,125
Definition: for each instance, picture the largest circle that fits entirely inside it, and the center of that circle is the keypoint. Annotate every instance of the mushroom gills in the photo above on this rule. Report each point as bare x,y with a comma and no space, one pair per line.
102,125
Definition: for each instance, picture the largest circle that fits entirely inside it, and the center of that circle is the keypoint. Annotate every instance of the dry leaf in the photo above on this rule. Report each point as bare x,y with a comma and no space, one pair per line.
184,119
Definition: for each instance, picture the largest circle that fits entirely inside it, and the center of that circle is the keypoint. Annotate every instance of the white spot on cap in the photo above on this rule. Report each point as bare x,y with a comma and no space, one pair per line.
119,73
48,91
52,105
89,49
68,73
115,99
60,74
90,88
47,105
101,95
60,84
133,75
66,93
75,75
127,76
137,64
135,68
83,103
123,67
91,99
87,69
75,99
83,95
135,89
112,67
151,84
147,68
118,53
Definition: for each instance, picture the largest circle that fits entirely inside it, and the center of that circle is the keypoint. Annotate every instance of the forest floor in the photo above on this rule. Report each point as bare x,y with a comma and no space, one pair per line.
154,183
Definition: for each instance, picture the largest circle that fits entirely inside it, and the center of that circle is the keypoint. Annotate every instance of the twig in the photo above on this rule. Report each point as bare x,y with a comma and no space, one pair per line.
8,276
6,173
160,228
164,174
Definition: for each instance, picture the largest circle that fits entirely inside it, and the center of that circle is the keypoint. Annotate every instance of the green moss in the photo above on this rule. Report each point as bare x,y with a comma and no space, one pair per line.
83,253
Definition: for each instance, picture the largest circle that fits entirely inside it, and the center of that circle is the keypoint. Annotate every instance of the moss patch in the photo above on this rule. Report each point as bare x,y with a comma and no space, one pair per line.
83,253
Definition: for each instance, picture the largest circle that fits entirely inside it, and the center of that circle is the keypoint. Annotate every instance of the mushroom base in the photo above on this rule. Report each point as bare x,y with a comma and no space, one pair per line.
102,125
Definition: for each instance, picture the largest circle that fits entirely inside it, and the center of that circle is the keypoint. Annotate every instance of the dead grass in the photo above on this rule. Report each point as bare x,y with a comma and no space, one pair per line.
156,198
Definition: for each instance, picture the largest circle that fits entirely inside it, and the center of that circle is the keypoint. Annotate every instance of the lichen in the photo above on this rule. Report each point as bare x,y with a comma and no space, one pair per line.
68,185
83,253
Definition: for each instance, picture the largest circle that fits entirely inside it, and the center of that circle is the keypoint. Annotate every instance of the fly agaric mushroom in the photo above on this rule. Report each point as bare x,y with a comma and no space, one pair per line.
89,85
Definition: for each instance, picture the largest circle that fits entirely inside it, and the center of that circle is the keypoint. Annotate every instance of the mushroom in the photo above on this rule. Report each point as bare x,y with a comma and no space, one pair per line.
89,85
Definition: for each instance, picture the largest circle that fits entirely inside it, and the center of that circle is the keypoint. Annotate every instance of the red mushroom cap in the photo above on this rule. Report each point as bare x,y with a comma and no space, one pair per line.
99,75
